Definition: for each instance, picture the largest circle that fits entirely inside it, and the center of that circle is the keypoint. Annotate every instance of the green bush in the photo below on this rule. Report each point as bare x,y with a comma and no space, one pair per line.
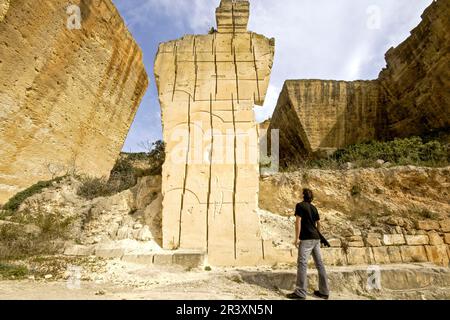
409,151
16,243
355,191
157,156
14,203
124,175
9,271
92,188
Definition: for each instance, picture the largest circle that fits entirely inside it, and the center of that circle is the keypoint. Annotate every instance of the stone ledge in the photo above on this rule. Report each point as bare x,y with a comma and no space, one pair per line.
417,240
393,239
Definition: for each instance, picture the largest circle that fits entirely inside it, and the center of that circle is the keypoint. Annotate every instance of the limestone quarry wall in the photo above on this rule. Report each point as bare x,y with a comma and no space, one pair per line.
68,96
316,116
416,81
411,97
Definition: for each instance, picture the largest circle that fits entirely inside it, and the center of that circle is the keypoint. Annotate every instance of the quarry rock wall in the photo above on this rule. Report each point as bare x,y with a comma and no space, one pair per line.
411,97
415,84
71,80
316,117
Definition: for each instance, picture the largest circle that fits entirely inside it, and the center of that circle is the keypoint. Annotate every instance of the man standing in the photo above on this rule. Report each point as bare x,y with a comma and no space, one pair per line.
307,241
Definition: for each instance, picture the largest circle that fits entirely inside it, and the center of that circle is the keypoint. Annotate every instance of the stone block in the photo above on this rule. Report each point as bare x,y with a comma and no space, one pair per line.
445,225
374,235
435,238
188,260
393,239
359,256
417,240
428,225
163,259
335,243
381,255
373,241
355,238
447,238
394,255
357,244
413,254
438,254
334,256
273,255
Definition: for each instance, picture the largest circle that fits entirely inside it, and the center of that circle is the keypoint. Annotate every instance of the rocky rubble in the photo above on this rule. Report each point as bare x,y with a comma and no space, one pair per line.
398,215
130,219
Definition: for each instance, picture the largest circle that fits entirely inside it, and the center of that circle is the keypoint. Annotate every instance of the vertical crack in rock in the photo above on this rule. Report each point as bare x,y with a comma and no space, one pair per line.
176,70
196,68
235,174
211,153
262,249
233,19
186,168
216,74
256,73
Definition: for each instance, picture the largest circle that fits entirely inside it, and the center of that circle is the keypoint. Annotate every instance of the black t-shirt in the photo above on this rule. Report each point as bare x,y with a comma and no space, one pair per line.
310,216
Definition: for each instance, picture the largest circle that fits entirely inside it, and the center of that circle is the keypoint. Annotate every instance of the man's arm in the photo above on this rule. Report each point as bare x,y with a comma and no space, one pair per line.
318,226
297,230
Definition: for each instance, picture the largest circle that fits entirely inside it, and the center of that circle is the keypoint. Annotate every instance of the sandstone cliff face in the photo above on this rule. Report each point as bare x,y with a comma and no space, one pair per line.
316,116
411,97
416,81
68,96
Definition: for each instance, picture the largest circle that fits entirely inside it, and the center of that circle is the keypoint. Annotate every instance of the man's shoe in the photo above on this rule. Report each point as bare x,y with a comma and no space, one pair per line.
321,296
294,296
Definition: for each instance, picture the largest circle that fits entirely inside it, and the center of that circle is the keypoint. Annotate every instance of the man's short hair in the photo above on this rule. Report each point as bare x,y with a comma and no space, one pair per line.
308,195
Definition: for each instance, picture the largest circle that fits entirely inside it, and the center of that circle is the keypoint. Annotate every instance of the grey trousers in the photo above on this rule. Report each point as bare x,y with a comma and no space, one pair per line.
308,247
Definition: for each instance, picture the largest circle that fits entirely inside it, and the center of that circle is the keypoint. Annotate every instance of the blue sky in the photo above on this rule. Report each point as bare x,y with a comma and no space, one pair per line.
315,39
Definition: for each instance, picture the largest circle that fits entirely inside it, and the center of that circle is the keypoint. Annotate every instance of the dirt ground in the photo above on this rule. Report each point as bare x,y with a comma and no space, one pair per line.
117,280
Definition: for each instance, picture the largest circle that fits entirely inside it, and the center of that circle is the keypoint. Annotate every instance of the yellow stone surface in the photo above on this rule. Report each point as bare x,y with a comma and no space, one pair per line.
4,6
67,96
208,86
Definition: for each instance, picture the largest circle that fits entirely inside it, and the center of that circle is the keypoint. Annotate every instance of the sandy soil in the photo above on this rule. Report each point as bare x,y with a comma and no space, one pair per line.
118,280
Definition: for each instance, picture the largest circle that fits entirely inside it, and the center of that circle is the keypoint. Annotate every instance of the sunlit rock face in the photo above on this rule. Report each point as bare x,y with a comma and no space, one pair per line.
316,117
71,80
416,81
208,85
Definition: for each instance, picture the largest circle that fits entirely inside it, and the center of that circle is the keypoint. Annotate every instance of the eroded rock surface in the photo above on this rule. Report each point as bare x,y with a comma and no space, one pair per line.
416,81
68,96
316,117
